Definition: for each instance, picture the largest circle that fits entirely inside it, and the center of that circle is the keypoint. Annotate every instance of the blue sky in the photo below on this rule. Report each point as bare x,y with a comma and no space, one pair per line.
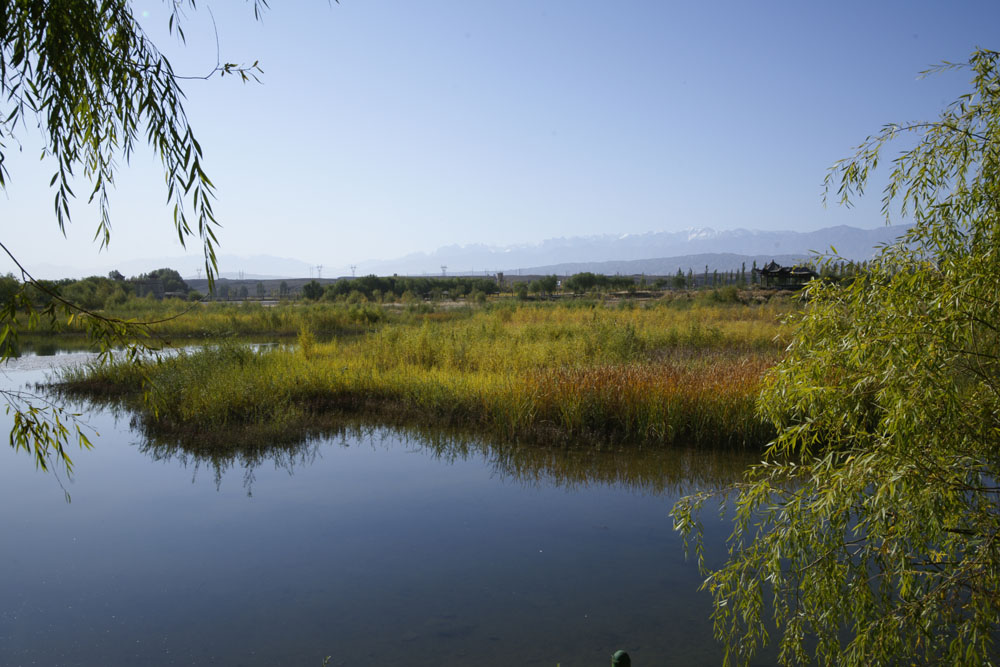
384,127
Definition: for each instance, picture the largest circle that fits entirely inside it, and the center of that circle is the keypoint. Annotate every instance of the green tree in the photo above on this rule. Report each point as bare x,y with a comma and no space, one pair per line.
545,285
679,281
584,282
95,86
873,530
549,284
10,287
312,290
169,278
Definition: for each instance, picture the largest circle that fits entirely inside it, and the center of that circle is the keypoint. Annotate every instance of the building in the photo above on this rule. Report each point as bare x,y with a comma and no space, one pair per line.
783,277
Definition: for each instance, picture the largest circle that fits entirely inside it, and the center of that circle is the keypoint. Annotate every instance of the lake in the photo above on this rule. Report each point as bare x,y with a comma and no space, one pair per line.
375,546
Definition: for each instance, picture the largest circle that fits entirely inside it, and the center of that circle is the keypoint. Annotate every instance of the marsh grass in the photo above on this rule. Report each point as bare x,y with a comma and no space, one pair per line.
173,319
658,373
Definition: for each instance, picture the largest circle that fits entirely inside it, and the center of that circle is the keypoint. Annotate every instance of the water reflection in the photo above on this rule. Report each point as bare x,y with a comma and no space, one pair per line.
646,469
650,470
375,544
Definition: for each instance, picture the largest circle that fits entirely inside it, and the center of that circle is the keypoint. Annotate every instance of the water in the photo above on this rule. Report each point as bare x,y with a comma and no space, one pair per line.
373,546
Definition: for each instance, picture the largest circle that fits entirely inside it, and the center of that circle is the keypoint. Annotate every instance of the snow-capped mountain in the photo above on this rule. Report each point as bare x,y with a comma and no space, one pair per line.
583,251
652,253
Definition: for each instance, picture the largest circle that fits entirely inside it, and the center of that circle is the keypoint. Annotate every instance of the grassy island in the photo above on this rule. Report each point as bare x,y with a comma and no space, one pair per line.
685,369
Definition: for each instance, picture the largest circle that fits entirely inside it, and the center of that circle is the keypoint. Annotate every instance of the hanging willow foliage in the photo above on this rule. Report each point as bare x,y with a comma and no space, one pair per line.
87,76
871,535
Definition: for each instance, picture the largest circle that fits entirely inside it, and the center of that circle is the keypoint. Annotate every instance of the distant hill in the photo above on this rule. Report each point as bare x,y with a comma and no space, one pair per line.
652,253
609,253
668,266
257,267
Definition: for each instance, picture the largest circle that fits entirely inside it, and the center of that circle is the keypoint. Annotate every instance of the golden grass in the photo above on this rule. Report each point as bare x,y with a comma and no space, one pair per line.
655,374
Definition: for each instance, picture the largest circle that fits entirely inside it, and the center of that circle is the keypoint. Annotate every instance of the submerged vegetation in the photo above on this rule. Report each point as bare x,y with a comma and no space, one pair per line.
684,370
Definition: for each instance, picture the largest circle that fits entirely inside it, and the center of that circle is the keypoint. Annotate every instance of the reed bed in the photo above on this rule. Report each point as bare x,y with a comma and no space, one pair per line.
655,374
172,319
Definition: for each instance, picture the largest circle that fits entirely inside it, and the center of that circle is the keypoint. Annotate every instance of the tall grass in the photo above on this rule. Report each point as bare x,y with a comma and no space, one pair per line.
171,319
653,374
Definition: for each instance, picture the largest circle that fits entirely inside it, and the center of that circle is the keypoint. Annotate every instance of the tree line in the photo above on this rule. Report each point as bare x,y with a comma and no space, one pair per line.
101,292
98,292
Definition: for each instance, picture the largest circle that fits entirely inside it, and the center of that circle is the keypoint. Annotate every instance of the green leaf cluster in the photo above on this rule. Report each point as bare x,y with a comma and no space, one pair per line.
871,533
85,74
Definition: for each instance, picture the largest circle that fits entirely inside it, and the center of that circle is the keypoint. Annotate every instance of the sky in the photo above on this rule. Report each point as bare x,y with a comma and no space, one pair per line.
385,127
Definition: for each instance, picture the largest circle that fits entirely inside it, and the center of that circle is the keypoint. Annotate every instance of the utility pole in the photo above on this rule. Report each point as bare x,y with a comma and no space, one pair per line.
354,268
319,271
444,270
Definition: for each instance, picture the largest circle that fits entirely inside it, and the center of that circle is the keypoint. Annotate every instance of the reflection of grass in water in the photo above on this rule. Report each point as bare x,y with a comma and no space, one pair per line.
645,469
45,349
567,374
45,346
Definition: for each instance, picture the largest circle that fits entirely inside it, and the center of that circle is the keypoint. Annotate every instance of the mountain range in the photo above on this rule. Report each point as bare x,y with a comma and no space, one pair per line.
655,253
652,253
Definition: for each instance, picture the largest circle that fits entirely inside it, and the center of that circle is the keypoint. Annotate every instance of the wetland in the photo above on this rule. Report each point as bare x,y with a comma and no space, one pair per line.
248,520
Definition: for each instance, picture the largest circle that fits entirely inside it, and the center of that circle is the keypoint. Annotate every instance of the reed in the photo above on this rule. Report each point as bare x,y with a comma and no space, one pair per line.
171,319
657,373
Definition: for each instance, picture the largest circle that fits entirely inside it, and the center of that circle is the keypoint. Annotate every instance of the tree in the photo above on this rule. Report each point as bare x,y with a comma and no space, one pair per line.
312,290
874,527
582,282
545,285
169,278
87,76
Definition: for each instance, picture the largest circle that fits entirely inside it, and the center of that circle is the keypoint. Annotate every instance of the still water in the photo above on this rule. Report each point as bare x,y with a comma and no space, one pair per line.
375,546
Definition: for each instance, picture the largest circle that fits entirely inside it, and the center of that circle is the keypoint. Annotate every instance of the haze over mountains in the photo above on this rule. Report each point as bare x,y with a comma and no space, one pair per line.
652,253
